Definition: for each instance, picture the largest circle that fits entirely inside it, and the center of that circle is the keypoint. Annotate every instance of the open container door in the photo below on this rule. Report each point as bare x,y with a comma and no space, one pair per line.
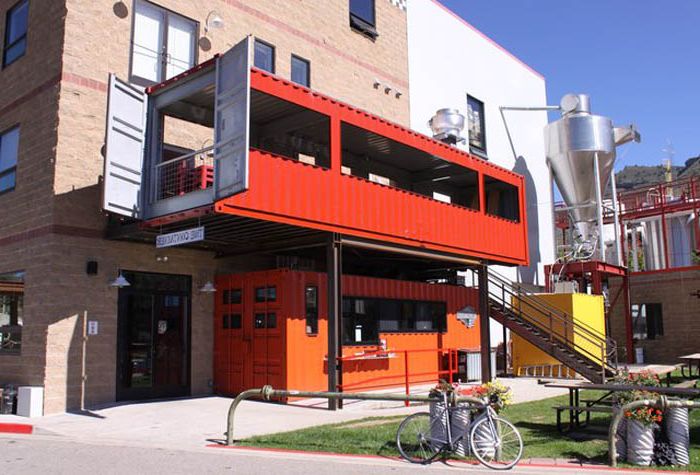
232,121
123,171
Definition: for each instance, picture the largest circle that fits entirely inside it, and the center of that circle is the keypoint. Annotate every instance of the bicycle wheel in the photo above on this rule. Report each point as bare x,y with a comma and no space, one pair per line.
418,440
496,443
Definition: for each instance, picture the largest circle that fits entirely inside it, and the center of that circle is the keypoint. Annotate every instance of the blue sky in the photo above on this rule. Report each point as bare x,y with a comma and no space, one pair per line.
638,59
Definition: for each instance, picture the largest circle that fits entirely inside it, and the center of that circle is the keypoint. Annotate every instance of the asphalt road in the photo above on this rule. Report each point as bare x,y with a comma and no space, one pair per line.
36,454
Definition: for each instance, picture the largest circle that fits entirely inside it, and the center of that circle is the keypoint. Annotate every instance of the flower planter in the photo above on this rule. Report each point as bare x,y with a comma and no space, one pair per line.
621,439
438,426
460,427
484,438
677,429
640,442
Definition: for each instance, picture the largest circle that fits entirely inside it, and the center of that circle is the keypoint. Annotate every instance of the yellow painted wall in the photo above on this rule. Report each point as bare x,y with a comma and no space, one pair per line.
586,310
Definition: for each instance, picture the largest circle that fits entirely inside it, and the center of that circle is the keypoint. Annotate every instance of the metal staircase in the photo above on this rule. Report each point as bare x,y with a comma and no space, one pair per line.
576,345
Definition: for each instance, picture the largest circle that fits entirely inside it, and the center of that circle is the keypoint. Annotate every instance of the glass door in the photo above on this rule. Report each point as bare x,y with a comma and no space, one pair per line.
153,337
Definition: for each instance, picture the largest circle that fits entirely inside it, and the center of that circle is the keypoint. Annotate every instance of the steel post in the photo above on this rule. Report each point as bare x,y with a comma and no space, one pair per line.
599,207
485,326
334,274
616,217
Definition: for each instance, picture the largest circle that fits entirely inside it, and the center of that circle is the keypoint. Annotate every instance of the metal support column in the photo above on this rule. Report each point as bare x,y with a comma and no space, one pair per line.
629,330
485,324
599,207
616,217
334,274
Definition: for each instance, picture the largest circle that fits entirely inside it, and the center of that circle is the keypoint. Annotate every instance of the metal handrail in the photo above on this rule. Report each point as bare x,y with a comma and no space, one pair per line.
607,348
268,392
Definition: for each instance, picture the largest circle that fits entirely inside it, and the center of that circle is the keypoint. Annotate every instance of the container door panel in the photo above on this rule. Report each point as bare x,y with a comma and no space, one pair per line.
235,335
268,348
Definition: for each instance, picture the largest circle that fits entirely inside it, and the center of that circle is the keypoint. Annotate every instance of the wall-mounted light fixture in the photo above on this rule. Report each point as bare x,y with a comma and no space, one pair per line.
161,258
377,83
207,288
213,22
120,281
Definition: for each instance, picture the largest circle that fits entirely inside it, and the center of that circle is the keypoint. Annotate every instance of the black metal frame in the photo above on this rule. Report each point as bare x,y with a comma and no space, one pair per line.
7,46
124,393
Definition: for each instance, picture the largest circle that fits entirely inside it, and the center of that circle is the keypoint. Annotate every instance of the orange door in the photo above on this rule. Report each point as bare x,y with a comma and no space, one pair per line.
265,359
231,344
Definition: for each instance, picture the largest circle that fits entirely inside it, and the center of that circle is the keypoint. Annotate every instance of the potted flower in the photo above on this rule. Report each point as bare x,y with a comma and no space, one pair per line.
640,434
643,378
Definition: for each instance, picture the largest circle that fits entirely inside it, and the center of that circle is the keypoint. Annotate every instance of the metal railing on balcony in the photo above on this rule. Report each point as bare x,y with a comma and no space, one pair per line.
658,198
185,174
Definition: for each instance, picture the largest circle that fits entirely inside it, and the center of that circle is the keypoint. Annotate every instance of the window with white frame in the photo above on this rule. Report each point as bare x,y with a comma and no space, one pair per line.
9,148
163,44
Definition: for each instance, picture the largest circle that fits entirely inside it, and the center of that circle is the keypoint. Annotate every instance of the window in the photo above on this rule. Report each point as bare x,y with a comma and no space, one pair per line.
232,296
9,148
477,125
163,44
265,294
301,71
647,321
311,302
15,33
501,199
11,311
265,320
365,318
264,56
362,17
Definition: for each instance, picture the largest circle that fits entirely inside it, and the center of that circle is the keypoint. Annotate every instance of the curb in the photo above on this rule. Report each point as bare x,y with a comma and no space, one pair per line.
523,463
14,428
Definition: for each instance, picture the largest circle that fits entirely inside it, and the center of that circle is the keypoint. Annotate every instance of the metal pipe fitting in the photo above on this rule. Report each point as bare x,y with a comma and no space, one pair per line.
268,393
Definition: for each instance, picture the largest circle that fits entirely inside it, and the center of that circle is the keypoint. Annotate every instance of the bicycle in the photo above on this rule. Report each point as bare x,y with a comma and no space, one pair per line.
494,441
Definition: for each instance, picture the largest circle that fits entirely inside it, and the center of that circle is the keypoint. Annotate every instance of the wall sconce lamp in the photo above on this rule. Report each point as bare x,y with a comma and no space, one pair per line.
120,281
207,288
213,22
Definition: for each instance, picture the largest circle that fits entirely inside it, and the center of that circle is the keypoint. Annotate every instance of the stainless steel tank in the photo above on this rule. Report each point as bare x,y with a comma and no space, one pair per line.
572,143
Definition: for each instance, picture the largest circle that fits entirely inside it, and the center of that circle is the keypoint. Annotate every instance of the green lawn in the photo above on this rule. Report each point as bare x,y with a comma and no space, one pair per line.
535,420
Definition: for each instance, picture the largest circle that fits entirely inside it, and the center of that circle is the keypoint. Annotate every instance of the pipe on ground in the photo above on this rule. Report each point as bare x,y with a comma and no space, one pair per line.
268,392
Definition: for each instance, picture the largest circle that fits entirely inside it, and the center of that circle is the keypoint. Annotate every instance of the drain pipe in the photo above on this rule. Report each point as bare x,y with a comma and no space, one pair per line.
662,404
267,393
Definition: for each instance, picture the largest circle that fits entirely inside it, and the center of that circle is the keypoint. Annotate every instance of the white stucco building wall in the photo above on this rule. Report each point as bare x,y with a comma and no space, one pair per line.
450,59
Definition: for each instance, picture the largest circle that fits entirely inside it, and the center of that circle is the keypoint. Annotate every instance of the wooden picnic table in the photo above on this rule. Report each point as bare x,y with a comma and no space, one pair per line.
688,361
575,409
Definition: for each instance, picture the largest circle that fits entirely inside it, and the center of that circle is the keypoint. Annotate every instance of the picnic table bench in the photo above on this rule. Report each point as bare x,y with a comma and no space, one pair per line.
577,407
687,362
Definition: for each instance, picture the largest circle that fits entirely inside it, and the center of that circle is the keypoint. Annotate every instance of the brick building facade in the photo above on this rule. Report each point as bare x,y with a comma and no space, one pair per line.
51,221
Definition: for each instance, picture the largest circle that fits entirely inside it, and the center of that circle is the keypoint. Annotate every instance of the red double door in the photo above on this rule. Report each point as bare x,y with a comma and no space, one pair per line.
249,333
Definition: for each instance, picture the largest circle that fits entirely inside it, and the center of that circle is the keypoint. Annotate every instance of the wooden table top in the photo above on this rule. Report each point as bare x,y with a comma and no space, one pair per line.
657,369
626,387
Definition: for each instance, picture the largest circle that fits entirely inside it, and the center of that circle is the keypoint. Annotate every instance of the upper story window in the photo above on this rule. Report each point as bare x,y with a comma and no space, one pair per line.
477,125
163,44
9,148
15,33
301,71
264,57
363,18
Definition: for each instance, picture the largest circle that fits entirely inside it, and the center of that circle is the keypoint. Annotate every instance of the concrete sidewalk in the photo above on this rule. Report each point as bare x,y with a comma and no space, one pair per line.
196,422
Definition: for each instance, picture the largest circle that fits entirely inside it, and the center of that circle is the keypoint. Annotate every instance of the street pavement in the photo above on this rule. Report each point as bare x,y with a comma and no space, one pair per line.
37,454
